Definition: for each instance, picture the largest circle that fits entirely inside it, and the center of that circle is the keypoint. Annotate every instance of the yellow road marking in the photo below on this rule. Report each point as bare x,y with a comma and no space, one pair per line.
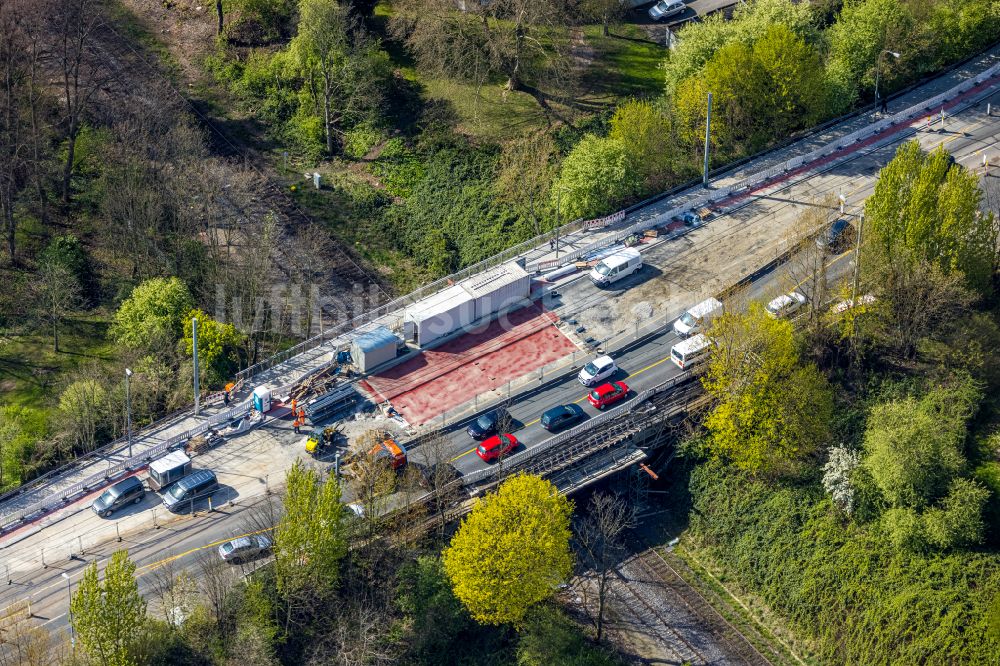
575,402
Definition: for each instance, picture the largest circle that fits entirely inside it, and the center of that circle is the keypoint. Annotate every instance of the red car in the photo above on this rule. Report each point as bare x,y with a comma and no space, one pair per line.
496,446
608,394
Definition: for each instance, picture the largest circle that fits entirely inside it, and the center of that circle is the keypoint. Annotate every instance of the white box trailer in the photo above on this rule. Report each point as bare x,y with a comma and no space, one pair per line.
441,314
498,288
374,348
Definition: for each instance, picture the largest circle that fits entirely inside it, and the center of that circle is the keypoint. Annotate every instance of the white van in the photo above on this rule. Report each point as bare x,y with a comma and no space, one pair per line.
689,353
698,318
620,264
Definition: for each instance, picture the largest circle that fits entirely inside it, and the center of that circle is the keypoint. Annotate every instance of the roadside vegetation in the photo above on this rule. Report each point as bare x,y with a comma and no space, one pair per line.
342,590
847,474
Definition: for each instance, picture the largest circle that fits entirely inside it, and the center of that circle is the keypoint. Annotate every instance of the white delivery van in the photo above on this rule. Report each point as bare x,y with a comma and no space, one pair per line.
620,264
689,353
698,318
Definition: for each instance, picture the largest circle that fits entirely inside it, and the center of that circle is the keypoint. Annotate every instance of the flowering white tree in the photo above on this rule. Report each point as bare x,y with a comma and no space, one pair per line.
837,477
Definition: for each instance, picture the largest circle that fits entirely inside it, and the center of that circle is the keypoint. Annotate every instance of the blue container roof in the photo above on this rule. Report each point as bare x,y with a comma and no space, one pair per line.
376,339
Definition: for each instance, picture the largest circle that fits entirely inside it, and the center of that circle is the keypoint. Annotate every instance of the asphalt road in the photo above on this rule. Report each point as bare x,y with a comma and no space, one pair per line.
643,365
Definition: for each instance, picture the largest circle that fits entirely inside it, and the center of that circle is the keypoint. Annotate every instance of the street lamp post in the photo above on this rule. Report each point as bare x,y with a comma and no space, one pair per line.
69,605
128,412
878,62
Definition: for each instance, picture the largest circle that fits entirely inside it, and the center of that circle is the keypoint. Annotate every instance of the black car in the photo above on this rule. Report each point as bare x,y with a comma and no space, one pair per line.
835,236
561,416
126,491
487,424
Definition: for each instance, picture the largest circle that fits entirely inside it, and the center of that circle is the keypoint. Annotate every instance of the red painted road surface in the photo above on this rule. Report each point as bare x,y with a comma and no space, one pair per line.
454,373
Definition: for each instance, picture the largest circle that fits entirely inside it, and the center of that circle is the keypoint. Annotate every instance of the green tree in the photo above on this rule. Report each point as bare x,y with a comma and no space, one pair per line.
914,446
647,136
345,72
594,178
959,519
152,315
108,615
863,29
699,40
83,408
69,252
511,551
310,541
769,408
218,347
761,92
549,638
923,208
57,295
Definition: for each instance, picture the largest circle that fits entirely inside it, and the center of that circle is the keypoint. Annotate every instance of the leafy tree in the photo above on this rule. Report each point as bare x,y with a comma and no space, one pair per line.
525,175
770,409
863,29
904,529
218,346
605,12
511,551
761,91
549,638
699,40
344,72
153,314
108,615
57,294
959,519
914,446
647,136
69,252
83,407
310,541
594,178
524,41
925,208
837,477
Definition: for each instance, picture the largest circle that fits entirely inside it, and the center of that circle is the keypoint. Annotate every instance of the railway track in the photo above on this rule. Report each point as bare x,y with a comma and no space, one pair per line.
733,641
635,595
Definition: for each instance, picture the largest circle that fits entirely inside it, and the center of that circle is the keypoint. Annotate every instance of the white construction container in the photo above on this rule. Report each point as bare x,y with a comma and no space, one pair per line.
441,314
374,348
498,288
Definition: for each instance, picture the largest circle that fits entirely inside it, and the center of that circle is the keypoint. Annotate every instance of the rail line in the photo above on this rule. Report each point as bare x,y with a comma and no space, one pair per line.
737,642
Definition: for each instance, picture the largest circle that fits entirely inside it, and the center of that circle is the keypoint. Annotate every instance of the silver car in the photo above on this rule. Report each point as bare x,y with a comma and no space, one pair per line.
786,305
665,9
245,548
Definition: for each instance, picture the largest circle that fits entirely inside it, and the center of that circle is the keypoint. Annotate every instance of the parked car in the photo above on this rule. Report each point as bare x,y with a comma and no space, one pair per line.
245,548
488,424
496,446
835,237
597,371
194,487
561,416
786,304
126,491
608,394
665,9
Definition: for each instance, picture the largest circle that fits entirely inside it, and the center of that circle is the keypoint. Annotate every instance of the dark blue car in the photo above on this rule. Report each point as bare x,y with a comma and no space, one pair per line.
835,237
489,423
561,416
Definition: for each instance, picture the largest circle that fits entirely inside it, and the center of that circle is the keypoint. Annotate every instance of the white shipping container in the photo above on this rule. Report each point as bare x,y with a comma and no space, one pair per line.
441,314
498,288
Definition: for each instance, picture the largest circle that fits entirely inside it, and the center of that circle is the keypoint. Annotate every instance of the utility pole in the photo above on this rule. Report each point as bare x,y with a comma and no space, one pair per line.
558,200
708,127
128,412
857,259
194,345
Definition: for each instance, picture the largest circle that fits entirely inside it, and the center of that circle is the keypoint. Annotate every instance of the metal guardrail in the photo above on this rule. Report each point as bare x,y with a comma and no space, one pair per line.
761,178
101,478
136,462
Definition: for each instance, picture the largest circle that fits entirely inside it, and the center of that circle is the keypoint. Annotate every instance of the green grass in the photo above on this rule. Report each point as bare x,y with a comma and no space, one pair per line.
626,63
32,373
